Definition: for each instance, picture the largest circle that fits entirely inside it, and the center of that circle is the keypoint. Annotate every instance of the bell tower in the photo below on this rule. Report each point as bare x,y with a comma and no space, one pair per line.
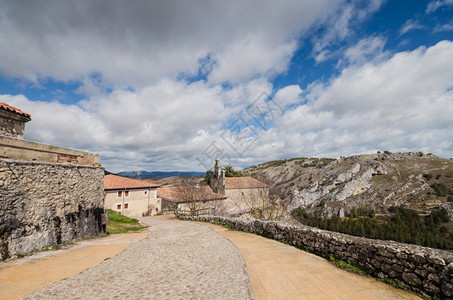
218,179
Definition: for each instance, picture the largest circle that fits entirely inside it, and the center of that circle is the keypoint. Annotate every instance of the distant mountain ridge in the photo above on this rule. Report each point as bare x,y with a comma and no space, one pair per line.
161,174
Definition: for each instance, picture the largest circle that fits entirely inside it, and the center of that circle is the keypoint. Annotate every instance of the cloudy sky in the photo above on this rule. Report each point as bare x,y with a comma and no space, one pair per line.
170,85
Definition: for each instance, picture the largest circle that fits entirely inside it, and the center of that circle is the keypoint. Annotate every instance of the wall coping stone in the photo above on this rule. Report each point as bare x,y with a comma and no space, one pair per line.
27,162
14,148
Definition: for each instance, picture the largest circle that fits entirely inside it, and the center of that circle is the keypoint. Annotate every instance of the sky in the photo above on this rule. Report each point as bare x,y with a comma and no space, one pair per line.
172,85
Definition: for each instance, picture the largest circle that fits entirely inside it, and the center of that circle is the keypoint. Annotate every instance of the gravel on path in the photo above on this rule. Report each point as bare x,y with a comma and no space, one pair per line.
178,260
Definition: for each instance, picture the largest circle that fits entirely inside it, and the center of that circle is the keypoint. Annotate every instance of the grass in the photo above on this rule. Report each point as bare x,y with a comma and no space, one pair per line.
122,224
397,284
347,266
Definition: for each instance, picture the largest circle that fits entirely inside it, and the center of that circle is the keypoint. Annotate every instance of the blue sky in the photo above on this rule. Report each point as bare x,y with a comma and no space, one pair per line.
171,85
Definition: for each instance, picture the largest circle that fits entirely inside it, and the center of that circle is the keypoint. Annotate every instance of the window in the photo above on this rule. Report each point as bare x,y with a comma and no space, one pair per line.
118,206
126,193
120,194
146,193
126,205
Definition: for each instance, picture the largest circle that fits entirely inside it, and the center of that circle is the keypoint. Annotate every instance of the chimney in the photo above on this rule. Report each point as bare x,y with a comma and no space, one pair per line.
12,121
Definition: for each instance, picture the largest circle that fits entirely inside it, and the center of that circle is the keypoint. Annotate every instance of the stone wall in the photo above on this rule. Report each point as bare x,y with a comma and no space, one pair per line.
12,148
44,204
423,269
12,125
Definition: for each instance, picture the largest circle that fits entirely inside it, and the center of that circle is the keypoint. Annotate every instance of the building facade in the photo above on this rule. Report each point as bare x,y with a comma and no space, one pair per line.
243,193
192,200
131,197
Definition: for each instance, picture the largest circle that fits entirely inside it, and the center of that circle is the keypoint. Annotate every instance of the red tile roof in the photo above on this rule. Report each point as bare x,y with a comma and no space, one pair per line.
183,194
243,183
114,182
13,109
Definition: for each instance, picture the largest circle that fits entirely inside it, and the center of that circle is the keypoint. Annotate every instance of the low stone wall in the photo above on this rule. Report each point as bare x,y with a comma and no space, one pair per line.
422,268
44,204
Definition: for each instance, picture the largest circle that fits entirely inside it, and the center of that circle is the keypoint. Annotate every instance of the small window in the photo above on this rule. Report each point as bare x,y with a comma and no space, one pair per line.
118,206
126,205
146,193
120,194
126,193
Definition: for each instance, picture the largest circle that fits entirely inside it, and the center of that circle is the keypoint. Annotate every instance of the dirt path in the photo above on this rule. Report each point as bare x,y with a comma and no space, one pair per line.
26,275
280,271
180,260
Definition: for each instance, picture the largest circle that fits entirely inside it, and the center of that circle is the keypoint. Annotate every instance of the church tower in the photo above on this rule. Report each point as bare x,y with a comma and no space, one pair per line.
218,179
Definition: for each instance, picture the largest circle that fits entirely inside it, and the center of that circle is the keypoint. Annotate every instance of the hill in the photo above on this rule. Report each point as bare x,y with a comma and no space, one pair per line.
159,174
335,187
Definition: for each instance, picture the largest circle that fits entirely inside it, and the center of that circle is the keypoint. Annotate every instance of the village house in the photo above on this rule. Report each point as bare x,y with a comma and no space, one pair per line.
243,193
131,197
192,200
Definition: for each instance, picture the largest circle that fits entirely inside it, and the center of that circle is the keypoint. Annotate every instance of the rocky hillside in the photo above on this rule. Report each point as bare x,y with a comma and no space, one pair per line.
419,181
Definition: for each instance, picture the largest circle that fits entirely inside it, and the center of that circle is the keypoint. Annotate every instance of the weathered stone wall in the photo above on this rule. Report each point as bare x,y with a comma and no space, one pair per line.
13,148
12,125
44,204
422,268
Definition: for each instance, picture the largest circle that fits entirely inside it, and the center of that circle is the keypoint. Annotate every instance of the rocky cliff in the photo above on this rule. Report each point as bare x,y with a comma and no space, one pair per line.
420,181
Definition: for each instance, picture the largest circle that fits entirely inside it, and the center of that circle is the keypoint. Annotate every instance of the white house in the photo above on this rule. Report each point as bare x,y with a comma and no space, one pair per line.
131,197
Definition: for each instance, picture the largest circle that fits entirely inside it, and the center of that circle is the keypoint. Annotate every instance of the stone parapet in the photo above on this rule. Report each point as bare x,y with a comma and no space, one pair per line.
44,204
423,269
11,148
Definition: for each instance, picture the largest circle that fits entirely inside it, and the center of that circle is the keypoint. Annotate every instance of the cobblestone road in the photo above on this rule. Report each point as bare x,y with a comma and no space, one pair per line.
178,260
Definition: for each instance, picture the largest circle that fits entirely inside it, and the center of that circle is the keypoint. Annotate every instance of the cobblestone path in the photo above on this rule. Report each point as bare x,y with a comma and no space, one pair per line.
178,260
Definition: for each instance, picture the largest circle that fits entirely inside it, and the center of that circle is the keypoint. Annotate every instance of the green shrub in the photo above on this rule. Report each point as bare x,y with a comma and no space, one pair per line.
427,176
440,189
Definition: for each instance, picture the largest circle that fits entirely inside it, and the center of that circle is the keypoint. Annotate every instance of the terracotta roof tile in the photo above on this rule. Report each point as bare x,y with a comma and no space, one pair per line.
13,109
113,182
181,193
243,183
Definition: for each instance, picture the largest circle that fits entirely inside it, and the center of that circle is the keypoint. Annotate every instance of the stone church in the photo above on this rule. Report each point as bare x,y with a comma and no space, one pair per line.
242,192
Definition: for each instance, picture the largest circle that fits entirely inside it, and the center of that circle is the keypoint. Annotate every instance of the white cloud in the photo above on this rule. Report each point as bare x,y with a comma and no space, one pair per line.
288,95
434,5
135,45
444,27
164,125
366,50
338,26
410,24
402,103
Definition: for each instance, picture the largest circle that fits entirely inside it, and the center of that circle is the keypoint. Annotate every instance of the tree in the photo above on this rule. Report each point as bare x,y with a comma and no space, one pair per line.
263,206
231,172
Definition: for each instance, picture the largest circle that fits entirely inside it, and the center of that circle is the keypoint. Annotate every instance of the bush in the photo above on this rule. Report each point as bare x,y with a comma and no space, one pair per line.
427,176
450,199
440,189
